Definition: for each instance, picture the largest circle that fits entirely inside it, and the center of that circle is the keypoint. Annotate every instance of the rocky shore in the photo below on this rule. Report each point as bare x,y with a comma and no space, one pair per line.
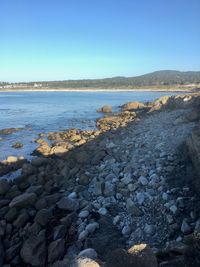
126,194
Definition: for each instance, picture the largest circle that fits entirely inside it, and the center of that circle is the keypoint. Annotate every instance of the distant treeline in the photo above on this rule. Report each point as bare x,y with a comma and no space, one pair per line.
158,78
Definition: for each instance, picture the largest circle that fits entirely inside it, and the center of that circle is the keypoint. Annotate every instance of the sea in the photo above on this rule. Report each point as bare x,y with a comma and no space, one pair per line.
42,112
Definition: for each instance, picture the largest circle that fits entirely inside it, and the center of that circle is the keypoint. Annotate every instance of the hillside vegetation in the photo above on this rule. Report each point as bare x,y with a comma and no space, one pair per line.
158,78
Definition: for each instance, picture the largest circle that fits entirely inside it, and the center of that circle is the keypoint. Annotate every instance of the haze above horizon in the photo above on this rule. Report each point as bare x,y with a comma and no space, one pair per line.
61,40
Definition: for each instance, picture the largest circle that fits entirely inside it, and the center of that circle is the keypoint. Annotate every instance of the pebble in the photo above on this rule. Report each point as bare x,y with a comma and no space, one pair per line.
102,211
140,198
185,228
83,214
143,180
91,228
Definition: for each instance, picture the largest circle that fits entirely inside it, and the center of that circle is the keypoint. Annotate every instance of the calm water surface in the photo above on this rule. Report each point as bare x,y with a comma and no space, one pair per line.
41,112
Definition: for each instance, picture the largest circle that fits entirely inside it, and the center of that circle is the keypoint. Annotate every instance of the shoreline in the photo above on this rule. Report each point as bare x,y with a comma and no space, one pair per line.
98,90
114,184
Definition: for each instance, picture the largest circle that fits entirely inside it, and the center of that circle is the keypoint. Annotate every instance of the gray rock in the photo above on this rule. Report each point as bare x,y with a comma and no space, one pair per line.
2,227
33,251
84,262
67,203
4,186
173,209
140,198
42,217
23,200
185,228
37,189
127,179
56,250
102,211
11,214
2,253
88,253
82,236
21,220
143,180
109,189
83,214
91,228
149,229
126,230
59,232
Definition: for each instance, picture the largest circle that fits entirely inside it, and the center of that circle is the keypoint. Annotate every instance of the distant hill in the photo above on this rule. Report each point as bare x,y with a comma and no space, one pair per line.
157,78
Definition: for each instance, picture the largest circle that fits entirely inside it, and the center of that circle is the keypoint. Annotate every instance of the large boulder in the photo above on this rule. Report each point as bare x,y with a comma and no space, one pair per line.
137,256
105,109
133,106
33,251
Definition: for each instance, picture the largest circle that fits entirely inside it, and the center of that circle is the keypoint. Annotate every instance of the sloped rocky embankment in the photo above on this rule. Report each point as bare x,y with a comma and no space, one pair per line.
125,195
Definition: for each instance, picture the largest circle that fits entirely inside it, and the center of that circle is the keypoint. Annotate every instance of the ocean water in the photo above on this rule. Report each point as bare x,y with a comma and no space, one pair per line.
41,112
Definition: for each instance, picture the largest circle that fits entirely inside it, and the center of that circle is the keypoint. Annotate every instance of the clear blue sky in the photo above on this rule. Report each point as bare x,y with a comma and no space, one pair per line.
73,39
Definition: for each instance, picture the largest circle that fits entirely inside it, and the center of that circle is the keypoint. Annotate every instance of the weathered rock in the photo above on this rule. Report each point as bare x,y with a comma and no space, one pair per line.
33,251
23,200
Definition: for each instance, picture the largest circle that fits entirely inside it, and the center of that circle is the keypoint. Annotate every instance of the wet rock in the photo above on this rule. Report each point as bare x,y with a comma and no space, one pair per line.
10,130
17,145
33,251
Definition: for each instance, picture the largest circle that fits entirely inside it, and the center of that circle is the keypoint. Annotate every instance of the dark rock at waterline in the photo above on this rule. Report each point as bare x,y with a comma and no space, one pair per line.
105,109
10,130
17,145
